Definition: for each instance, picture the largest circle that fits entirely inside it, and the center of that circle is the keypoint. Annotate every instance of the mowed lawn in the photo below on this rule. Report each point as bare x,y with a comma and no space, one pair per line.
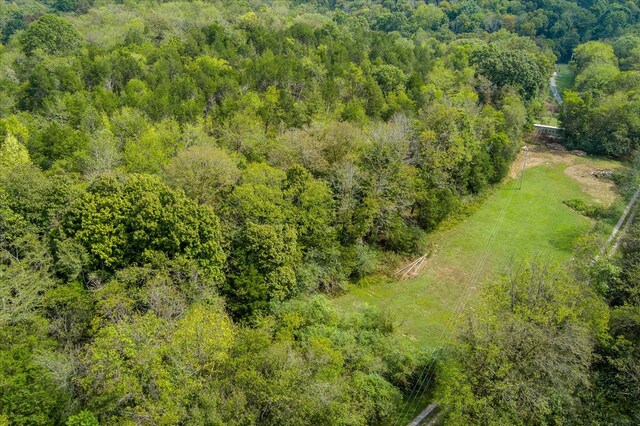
511,226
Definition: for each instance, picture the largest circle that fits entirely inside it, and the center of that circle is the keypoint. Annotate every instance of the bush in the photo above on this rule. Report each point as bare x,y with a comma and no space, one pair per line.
594,211
83,418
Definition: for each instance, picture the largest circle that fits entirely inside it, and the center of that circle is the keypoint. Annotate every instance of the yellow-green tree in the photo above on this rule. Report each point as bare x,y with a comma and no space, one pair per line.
12,154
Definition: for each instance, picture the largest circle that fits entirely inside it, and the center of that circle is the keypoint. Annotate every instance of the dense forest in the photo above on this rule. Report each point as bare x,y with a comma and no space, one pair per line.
183,185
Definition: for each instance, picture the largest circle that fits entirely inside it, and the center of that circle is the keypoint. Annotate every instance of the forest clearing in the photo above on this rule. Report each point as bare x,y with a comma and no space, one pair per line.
536,223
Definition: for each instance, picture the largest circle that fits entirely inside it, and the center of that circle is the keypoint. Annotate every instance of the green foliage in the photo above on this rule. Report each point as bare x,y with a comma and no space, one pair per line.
12,154
138,220
151,150
83,418
390,78
594,53
69,309
51,34
205,173
612,398
143,367
323,381
526,353
24,266
299,364
262,267
30,394
627,50
59,143
65,5
601,114
624,289
323,133
594,211
518,69
618,375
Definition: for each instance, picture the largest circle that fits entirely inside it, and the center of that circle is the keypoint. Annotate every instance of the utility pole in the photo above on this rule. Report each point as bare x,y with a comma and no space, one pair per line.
524,165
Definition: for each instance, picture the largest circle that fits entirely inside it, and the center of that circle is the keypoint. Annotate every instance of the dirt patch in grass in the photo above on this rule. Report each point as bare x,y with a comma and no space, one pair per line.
578,168
602,190
449,273
537,156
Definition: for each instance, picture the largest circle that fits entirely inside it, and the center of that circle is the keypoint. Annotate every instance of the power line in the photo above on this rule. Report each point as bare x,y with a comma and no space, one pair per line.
453,319
524,165
429,369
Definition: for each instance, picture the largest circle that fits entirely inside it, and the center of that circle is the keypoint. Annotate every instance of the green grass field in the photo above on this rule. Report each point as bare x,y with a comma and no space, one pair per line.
524,224
565,77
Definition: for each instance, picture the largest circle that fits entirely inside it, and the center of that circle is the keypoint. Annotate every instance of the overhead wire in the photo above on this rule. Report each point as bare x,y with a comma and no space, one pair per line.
429,368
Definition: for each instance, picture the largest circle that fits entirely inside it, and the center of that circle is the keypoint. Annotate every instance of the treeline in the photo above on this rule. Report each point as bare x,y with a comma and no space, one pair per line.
601,114
559,24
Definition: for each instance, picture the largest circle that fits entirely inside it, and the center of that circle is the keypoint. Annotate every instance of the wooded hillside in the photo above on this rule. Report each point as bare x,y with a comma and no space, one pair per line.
183,184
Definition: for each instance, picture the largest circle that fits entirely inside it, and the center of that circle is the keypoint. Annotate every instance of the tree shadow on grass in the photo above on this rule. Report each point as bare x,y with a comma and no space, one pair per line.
564,237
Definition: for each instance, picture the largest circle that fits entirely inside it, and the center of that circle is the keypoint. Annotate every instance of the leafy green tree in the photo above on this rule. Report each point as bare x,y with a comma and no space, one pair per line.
134,220
624,290
627,50
518,69
259,197
574,116
205,173
354,127
23,275
65,5
262,268
202,340
388,185
594,53
616,378
501,154
52,34
143,367
596,79
429,17
312,208
69,309
12,154
390,78
59,144
83,418
326,380
214,77
29,392
147,153
122,363
277,219
527,352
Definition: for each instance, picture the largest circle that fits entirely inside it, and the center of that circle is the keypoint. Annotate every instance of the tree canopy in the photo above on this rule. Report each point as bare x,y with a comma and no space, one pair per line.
183,184
51,34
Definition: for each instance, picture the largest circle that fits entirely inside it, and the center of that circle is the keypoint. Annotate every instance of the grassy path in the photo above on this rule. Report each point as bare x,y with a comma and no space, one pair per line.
535,223
565,77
